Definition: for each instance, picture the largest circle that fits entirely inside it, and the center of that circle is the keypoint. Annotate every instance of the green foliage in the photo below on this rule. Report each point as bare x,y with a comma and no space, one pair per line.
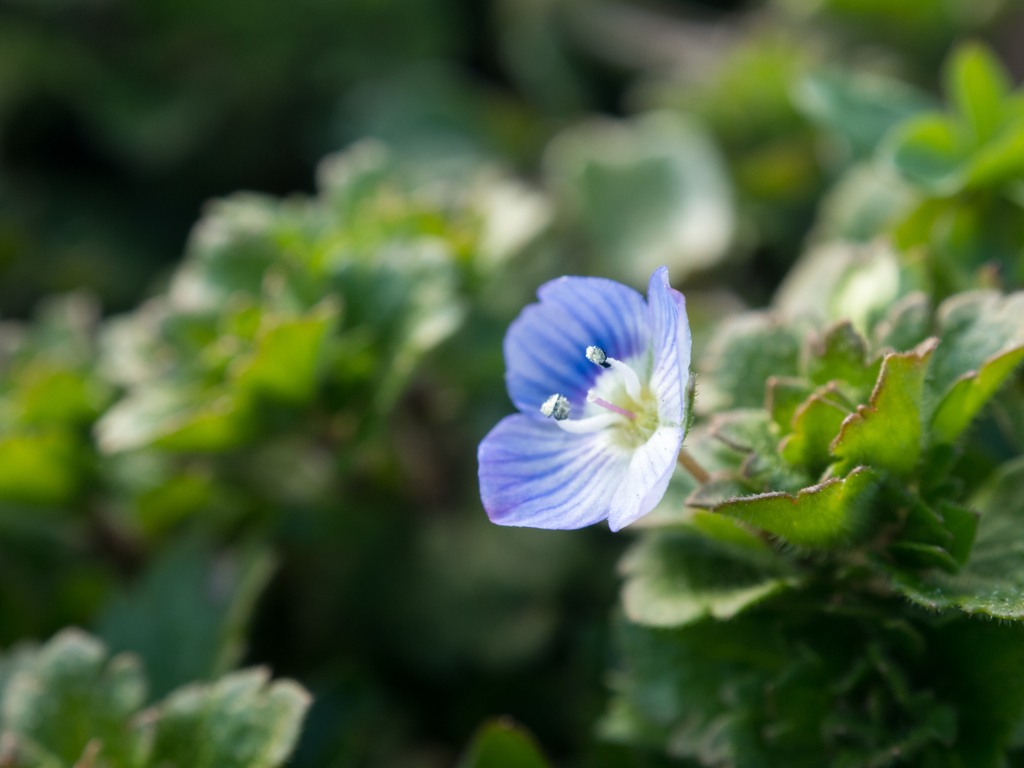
676,577
502,744
646,193
855,467
69,703
271,457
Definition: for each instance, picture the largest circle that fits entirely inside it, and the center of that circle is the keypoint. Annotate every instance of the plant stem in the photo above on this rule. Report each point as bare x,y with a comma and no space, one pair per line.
687,462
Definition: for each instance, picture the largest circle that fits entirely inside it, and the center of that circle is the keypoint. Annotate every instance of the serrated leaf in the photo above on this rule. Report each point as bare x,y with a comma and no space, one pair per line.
974,326
753,436
982,343
822,515
187,616
502,744
907,323
71,694
841,353
782,396
815,425
675,578
992,580
887,432
241,721
744,352
970,392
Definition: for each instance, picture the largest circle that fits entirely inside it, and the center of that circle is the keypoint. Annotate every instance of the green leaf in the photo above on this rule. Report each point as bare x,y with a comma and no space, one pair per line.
71,695
970,392
999,161
824,515
675,578
745,351
172,418
859,107
782,397
978,84
815,425
887,432
840,354
754,437
188,615
992,580
962,524
241,721
913,554
928,151
974,326
907,323
982,343
287,356
45,467
649,191
502,744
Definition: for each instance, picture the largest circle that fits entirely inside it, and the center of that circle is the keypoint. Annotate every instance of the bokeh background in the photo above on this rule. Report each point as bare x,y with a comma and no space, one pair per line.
243,385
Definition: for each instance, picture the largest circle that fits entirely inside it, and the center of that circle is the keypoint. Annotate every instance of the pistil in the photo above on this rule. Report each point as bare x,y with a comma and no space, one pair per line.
592,398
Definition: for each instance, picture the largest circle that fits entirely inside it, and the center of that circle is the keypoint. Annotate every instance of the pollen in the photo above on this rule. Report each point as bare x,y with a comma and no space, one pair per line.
597,355
556,407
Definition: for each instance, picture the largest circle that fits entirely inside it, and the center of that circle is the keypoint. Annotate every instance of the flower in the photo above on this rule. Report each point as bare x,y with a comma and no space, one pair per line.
600,379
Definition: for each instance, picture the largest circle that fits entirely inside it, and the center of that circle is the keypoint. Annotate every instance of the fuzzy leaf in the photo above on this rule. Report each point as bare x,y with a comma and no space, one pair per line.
241,721
982,343
675,578
907,323
970,392
502,744
782,396
992,580
745,351
887,433
815,425
70,695
962,524
823,515
841,353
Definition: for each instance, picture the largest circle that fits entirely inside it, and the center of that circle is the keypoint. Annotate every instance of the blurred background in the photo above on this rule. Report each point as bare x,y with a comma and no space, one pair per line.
244,376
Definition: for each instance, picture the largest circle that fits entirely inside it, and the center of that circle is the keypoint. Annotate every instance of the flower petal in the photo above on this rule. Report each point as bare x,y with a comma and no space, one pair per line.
534,474
650,470
545,347
672,344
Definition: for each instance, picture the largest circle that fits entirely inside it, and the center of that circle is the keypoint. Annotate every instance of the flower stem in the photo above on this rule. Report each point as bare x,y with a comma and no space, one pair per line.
687,462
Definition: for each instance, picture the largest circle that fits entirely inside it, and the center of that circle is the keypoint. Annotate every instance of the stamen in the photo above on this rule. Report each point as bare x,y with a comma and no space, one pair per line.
592,398
556,407
631,379
590,424
597,355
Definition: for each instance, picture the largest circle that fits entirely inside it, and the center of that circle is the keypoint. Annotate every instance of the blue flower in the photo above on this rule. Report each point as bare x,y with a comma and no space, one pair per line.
600,377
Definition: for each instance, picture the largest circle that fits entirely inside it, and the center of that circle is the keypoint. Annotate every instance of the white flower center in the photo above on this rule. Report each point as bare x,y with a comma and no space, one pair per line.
618,401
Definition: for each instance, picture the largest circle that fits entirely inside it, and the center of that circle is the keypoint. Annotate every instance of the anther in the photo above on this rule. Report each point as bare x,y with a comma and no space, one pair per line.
556,407
598,356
